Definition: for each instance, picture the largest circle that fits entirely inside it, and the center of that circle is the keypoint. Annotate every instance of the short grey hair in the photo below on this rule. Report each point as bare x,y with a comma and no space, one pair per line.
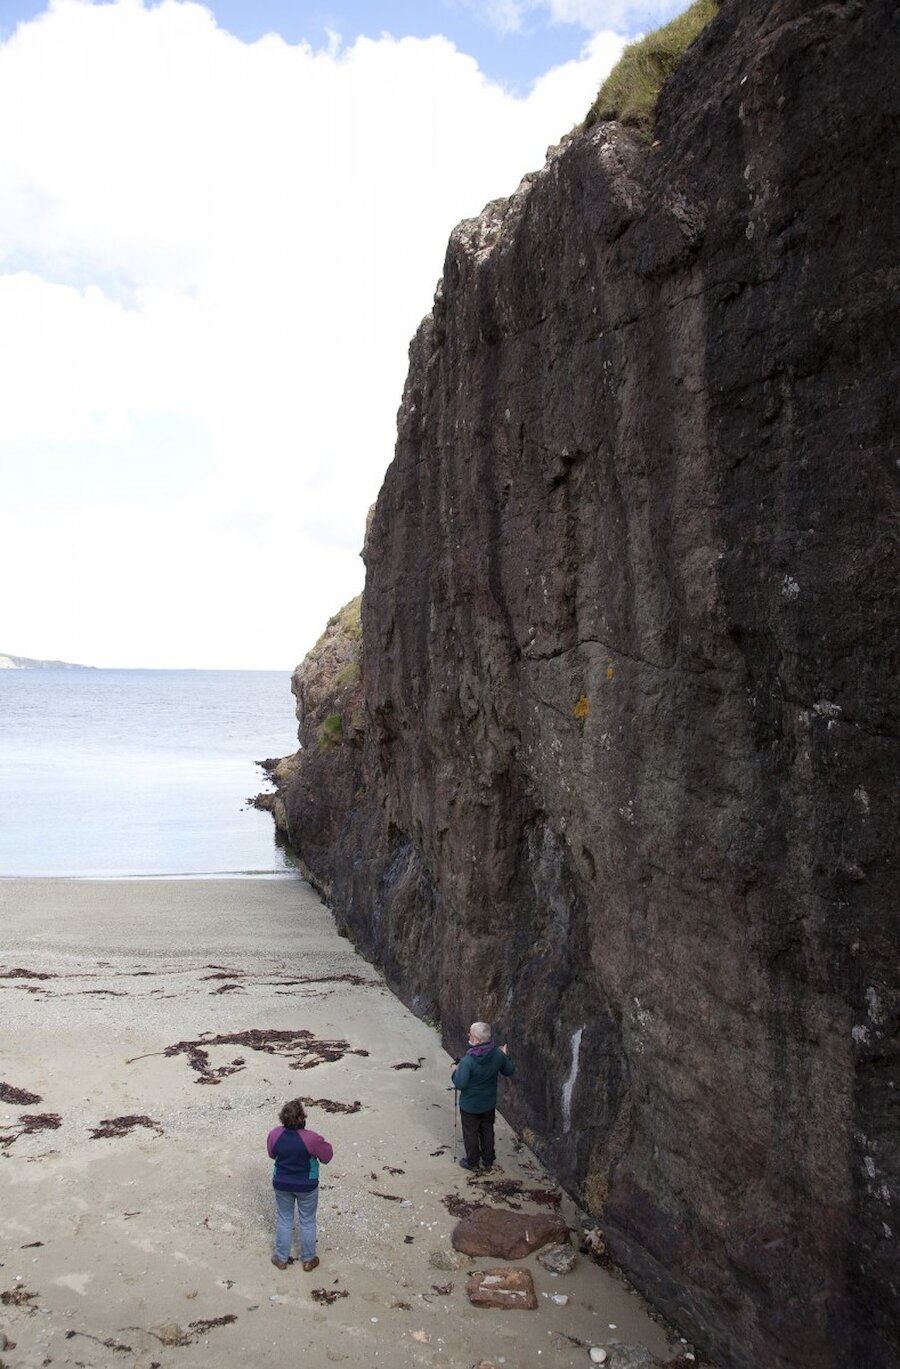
481,1031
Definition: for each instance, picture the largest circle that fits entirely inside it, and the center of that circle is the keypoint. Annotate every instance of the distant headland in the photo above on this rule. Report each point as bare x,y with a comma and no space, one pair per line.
26,663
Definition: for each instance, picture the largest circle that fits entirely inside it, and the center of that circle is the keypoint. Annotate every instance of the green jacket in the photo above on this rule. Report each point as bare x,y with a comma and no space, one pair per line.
476,1078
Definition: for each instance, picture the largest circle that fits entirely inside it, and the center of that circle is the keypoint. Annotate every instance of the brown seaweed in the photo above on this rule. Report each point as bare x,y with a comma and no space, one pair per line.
31,1122
311,1050
18,1097
200,1328
327,1296
507,1189
121,1126
109,1342
329,1105
356,979
459,1207
18,1297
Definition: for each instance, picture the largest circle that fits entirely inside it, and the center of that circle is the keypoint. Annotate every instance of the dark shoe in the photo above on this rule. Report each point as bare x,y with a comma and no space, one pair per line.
486,1165
467,1164
279,1264
310,1265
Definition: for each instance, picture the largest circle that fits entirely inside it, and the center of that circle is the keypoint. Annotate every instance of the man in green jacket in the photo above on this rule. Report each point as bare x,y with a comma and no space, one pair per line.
475,1075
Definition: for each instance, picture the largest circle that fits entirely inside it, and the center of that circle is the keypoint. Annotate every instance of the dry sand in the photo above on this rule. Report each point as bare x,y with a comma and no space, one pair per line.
108,1244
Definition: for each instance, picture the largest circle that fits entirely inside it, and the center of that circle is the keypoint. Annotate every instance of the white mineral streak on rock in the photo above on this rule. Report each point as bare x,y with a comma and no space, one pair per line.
569,1085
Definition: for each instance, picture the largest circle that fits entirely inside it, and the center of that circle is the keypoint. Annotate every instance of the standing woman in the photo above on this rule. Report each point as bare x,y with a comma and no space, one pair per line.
295,1179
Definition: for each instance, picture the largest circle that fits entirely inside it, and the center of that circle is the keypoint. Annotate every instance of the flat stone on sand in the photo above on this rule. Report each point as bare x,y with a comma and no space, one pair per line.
502,1288
508,1235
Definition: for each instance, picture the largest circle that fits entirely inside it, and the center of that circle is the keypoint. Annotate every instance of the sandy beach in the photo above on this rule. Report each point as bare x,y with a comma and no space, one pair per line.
150,1245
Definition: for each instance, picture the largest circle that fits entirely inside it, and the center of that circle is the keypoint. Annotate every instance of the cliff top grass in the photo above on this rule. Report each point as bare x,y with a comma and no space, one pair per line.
347,620
631,90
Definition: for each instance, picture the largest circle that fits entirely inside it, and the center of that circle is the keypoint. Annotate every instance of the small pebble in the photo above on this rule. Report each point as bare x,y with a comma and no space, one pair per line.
598,1356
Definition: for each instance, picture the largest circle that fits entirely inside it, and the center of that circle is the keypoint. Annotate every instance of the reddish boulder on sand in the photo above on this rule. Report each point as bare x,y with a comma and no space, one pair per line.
508,1235
502,1288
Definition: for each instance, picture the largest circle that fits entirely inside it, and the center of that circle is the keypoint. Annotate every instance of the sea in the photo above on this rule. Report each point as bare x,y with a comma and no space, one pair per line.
117,773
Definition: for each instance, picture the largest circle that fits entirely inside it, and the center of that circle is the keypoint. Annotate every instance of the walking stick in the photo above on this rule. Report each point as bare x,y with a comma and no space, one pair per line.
455,1125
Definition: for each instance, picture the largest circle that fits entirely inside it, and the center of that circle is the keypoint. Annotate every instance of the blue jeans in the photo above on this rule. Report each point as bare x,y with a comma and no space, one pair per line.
306,1210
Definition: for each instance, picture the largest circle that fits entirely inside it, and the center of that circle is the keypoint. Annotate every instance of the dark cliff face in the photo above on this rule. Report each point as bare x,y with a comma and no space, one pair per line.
626,776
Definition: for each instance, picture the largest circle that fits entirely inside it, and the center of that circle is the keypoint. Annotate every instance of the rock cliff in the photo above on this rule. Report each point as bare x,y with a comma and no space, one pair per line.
621,769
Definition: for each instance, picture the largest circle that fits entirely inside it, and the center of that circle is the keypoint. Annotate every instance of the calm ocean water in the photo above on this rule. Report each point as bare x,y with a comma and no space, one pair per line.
139,772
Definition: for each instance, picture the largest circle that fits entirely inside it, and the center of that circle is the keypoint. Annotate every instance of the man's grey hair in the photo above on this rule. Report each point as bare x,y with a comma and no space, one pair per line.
481,1031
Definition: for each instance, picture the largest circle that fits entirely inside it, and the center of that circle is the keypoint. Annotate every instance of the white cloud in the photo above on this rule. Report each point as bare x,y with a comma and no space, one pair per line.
233,242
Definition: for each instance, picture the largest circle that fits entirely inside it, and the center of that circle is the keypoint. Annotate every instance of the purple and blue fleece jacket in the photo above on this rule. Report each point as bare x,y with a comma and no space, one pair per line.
297,1155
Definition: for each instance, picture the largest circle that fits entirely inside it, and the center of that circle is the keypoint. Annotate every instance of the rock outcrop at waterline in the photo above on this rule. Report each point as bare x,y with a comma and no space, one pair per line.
621,771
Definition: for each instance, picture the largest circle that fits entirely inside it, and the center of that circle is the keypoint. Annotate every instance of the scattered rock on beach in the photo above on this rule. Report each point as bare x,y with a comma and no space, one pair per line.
170,1333
507,1288
559,1259
628,1357
593,1244
508,1235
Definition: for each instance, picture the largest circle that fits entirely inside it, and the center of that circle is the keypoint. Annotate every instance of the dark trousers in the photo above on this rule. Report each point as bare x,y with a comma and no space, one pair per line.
478,1136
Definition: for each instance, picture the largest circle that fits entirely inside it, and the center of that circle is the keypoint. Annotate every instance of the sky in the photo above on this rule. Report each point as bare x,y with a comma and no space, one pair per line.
220,227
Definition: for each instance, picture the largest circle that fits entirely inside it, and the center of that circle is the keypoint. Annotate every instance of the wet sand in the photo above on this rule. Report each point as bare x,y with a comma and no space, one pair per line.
115,1246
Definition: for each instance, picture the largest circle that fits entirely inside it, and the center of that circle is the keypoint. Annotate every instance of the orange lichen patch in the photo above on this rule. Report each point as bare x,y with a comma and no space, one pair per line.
609,671
582,707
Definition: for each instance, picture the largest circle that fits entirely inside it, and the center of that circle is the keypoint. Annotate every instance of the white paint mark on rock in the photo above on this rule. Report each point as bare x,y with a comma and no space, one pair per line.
789,587
569,1084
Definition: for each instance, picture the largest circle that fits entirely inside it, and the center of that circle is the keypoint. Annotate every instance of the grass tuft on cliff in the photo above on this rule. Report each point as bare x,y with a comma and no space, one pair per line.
331,731
631,90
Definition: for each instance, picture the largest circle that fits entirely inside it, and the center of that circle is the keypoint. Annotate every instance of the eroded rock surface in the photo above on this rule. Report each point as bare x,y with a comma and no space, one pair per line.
623,773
